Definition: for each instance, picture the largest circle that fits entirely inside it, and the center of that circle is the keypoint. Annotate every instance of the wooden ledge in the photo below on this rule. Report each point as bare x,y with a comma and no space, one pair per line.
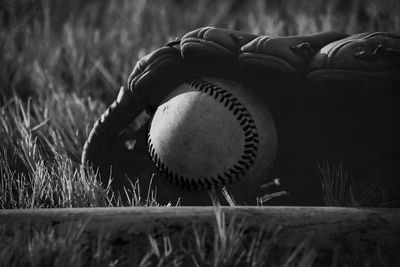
354,231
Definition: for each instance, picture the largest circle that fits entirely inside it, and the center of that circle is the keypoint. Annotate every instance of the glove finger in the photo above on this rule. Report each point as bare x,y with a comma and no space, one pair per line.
118,115
365,57
151,80
284,55
156,75
214,50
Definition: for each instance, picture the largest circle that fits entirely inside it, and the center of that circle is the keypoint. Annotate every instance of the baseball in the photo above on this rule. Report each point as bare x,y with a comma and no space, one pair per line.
211,132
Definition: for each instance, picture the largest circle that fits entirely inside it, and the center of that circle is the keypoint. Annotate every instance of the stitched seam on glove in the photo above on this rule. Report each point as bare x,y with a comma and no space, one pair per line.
203,31
376,34
334,51
208,43
132,83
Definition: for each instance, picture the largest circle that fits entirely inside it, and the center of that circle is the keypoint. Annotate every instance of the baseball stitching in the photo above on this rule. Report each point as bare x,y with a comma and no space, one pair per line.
250,149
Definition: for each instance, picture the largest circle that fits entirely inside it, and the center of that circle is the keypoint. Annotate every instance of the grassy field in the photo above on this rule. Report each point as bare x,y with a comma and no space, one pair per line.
62,63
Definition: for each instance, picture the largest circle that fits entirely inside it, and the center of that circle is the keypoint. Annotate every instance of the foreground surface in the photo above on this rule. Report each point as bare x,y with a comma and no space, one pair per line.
226,236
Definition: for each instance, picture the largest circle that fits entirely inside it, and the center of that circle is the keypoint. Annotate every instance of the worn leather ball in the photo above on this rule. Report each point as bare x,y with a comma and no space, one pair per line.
209,133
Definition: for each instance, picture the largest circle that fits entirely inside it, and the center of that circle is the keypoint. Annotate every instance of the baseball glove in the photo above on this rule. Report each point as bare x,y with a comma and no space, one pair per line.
286,72
356,84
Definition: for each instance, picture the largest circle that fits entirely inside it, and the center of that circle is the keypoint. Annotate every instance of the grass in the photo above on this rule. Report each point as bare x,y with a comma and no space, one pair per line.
336,185
62,64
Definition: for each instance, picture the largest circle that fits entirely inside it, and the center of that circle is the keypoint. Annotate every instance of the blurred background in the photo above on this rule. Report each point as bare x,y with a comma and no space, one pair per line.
90,47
